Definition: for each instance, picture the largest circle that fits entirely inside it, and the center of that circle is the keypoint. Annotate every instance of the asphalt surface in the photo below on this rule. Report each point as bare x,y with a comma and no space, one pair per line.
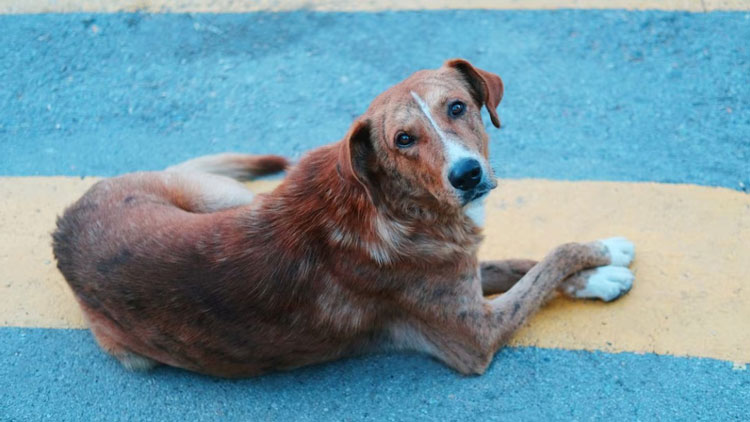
603,95
594,95
75,382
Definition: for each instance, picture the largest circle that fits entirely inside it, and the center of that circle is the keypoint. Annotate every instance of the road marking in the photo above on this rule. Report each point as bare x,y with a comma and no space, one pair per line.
690,297
238,6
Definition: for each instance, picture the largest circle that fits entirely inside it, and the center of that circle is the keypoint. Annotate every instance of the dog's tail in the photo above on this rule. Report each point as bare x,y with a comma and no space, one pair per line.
237,166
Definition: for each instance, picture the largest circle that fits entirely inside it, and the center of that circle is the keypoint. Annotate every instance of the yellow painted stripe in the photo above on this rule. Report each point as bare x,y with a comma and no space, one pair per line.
691,297
236,6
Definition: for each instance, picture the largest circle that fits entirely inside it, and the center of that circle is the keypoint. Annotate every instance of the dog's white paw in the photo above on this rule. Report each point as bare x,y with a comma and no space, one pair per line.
606,283
621,250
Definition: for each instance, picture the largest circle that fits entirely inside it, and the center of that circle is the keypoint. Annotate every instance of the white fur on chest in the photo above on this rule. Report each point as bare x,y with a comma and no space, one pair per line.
476,211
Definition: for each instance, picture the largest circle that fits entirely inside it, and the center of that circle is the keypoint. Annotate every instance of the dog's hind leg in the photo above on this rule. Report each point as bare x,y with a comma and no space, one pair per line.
130,360
102,329
235,166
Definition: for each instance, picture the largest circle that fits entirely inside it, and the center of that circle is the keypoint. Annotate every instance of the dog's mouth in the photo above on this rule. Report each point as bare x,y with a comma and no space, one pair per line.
482,190
476,195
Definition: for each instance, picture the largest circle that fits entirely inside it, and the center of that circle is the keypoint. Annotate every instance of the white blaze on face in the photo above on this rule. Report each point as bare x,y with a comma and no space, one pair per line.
454,152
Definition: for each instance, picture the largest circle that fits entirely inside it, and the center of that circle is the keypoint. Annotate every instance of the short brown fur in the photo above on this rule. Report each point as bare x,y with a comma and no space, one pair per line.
363,246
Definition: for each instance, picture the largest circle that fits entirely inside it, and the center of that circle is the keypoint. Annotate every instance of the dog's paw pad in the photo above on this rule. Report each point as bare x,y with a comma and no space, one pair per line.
606,283
621,251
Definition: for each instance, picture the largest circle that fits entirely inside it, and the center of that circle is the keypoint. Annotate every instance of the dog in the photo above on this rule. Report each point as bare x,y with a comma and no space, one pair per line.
369,243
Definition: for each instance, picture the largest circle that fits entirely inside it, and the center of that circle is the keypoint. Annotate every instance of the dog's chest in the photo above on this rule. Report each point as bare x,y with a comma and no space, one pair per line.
476,211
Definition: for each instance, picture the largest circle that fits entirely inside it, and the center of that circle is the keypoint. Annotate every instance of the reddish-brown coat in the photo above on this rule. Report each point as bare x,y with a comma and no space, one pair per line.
363,245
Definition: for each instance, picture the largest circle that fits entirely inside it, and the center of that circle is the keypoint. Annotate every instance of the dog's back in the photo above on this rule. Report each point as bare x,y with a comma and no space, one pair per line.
214,292
81,222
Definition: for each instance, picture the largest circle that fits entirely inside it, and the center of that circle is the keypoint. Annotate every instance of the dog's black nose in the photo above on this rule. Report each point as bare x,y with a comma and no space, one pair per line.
466,174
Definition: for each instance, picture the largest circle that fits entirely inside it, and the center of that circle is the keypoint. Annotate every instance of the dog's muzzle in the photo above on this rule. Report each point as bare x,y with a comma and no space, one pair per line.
469,180
466,174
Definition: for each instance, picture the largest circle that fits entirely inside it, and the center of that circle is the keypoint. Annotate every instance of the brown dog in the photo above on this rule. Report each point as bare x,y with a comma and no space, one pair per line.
369,243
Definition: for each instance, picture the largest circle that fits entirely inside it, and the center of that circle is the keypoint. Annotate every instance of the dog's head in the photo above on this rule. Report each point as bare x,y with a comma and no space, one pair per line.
423,140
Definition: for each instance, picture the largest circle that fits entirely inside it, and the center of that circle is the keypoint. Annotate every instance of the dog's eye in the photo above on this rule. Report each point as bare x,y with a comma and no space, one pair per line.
404,140
456,108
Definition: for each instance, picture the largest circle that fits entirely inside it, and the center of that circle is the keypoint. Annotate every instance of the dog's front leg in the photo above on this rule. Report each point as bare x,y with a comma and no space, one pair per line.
501,276
603,283
469,338
510,310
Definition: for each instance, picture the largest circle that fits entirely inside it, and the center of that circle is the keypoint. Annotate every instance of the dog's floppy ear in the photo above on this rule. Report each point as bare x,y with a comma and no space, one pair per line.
357,155
487,88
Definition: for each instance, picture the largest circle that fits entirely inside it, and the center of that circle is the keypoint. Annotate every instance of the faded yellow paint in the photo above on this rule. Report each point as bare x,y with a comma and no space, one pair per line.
237,6
692,290
726,4
691,296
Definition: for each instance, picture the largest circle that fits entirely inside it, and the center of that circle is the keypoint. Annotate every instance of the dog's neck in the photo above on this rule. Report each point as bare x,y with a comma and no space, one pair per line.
324,208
